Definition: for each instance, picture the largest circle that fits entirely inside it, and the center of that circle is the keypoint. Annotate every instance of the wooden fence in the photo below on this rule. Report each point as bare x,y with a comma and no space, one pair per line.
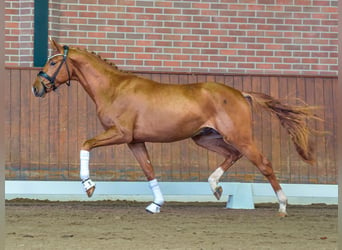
43,136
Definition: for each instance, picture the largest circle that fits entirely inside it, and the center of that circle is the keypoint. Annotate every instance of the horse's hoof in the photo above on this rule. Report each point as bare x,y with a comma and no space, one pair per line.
282,214
153,208
90,191
218,192
89,187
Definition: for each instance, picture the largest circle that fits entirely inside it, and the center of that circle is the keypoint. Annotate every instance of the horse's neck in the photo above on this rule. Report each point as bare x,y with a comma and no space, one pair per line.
96,81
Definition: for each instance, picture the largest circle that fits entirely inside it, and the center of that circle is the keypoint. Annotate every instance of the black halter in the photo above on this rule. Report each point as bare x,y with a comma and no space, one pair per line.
52,79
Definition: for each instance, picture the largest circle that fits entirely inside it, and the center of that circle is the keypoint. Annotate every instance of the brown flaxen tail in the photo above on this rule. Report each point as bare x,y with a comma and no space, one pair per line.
292,118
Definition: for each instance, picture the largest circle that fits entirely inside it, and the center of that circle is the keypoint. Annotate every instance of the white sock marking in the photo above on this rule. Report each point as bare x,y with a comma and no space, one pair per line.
214,178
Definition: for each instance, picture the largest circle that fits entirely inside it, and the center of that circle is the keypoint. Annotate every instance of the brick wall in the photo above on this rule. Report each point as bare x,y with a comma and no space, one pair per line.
19,32
227,36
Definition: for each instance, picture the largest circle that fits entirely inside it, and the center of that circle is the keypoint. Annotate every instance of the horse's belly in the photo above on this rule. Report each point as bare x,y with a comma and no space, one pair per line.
169,130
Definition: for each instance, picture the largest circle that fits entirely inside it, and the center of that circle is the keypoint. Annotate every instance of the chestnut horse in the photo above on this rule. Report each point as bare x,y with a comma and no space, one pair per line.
134,110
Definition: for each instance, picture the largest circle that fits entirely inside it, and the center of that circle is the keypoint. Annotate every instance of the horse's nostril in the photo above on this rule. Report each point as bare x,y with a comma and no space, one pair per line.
35,91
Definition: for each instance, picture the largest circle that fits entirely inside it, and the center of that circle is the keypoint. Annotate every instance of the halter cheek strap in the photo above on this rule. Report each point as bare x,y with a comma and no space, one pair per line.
52,79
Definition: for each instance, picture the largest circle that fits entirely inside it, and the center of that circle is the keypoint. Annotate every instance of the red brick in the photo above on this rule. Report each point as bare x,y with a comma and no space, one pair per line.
143,56
210,25
200,44
320,67
208,12
264,53
199,58
181,44
282,66
303,2
209,51
153,50
218,58
246,65
329,9
190,64
237,46
153,63
237,7
164,17
190,38
256,7
153,10
321,3
264,66
181,57
191,51
218,45
310,60
143,43
274,46
97,34
228,52
163,43
173,11
172,64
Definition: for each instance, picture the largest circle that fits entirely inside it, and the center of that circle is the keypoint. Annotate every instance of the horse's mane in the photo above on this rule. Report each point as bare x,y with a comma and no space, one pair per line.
112,64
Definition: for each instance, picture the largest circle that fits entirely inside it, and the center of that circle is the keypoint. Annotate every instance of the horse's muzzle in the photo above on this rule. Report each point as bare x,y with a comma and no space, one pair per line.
37,92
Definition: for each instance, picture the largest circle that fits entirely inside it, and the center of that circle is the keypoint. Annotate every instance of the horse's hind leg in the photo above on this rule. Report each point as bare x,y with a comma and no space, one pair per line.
215,143
140,152
265,167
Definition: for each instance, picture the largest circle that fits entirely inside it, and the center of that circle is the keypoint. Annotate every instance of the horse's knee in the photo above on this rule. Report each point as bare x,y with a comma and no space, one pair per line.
266,168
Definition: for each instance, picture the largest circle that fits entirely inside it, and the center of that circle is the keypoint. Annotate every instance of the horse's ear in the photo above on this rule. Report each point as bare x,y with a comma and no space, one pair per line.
56,46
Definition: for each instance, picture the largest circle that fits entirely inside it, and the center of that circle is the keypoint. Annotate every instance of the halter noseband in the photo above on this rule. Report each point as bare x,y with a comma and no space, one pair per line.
52,79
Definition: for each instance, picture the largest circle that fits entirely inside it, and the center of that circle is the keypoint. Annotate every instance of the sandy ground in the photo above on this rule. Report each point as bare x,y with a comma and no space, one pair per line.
125,225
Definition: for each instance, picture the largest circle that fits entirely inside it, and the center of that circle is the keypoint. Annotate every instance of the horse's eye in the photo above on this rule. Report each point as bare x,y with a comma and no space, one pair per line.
52,63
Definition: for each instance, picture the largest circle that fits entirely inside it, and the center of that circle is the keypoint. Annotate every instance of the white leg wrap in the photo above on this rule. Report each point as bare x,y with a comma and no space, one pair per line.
282,201
214,178
84,172
84,162
153,208
157,194
88,184
158,200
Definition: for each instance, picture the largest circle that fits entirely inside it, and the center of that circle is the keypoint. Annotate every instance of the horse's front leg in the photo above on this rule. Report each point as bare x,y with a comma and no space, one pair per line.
109,137
140,152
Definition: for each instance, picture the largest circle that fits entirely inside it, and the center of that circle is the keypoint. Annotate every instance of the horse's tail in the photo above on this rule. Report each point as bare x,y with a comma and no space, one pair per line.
293,118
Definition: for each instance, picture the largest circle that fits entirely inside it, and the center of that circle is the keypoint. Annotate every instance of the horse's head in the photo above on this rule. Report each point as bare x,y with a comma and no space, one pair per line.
55,72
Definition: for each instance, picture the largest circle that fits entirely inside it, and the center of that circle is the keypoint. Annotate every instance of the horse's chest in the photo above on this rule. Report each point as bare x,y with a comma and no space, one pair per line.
106,118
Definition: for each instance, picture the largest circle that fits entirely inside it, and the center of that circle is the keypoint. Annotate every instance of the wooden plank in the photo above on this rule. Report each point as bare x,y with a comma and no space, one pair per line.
73,141
53,137
62,141
320,142
284,137
14,151
34,131
330,126
44,148
275,128
266,122
294,158
25,90
301,95
310,98
12,170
